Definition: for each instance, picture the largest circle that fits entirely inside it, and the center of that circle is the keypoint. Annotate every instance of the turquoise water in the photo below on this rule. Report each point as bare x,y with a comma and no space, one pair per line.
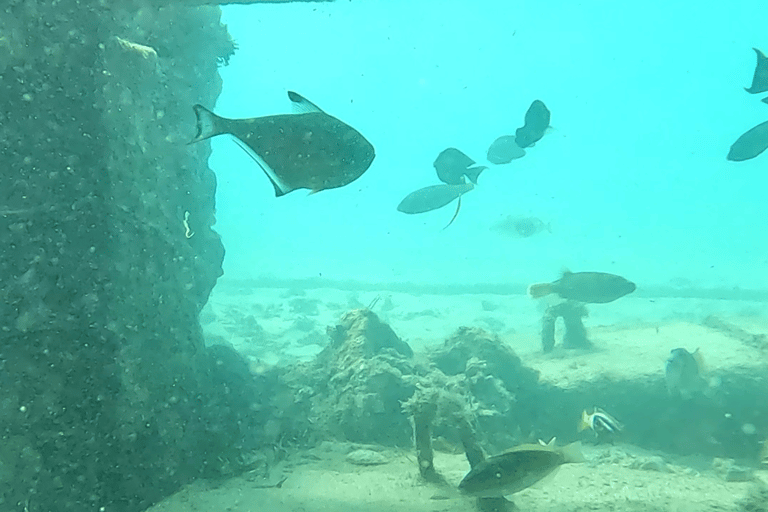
646,100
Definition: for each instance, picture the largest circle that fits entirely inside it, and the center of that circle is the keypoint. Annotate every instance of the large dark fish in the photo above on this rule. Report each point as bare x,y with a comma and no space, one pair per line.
504,150
760,79
536,124
433,197
750,144
590,287
309,149
517,469
452,165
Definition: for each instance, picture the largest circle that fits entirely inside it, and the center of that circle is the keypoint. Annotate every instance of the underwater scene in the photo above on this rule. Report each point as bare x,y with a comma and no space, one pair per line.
384,255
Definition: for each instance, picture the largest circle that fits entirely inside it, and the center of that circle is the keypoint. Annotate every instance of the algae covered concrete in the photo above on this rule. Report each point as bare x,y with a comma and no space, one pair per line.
108,255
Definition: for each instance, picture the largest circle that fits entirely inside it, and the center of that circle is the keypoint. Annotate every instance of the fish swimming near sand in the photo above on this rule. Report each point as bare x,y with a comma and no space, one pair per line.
452,165
309,149
536,123
600,422
750,144
683,373
433,197
504,149
760,78
517,469
520,226
588,287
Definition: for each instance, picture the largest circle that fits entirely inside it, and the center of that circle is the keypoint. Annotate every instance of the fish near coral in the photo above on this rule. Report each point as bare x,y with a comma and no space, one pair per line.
309,149
517,469
588,287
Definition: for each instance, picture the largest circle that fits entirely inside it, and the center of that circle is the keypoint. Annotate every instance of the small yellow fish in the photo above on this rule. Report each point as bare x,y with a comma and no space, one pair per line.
600,422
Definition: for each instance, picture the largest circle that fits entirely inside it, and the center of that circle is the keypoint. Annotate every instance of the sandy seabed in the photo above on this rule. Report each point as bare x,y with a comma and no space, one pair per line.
632,338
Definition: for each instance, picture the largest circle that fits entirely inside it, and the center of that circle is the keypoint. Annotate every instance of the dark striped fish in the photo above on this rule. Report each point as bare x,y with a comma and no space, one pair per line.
599,422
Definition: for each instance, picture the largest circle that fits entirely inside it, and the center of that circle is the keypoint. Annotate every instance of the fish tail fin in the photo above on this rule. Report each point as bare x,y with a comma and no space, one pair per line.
208,124
583,422
473,173
539,290
572,453
549,227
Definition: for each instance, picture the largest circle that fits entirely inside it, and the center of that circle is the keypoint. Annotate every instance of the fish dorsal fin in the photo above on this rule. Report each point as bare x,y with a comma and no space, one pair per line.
302,105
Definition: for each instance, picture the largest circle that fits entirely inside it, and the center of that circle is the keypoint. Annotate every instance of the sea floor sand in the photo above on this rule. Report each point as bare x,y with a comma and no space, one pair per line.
615,478
632,338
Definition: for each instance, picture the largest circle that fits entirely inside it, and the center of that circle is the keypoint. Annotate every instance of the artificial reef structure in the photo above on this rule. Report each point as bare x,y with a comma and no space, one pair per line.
109,397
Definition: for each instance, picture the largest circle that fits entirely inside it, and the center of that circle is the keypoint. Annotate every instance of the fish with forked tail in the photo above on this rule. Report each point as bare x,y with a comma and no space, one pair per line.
760,78
452,165
588,287
309,149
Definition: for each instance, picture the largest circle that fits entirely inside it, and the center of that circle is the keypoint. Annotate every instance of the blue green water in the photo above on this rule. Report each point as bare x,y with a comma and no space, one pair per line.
646,99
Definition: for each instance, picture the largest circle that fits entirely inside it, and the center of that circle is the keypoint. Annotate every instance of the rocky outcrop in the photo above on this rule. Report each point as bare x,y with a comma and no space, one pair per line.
108,252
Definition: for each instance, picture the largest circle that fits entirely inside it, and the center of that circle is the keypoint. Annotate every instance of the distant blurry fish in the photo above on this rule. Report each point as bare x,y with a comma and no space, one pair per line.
599,422
589,287
750,144
521,226
536,124
764,453
683,373
517,469
760,79
309,149
504,150
431,198
452,165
